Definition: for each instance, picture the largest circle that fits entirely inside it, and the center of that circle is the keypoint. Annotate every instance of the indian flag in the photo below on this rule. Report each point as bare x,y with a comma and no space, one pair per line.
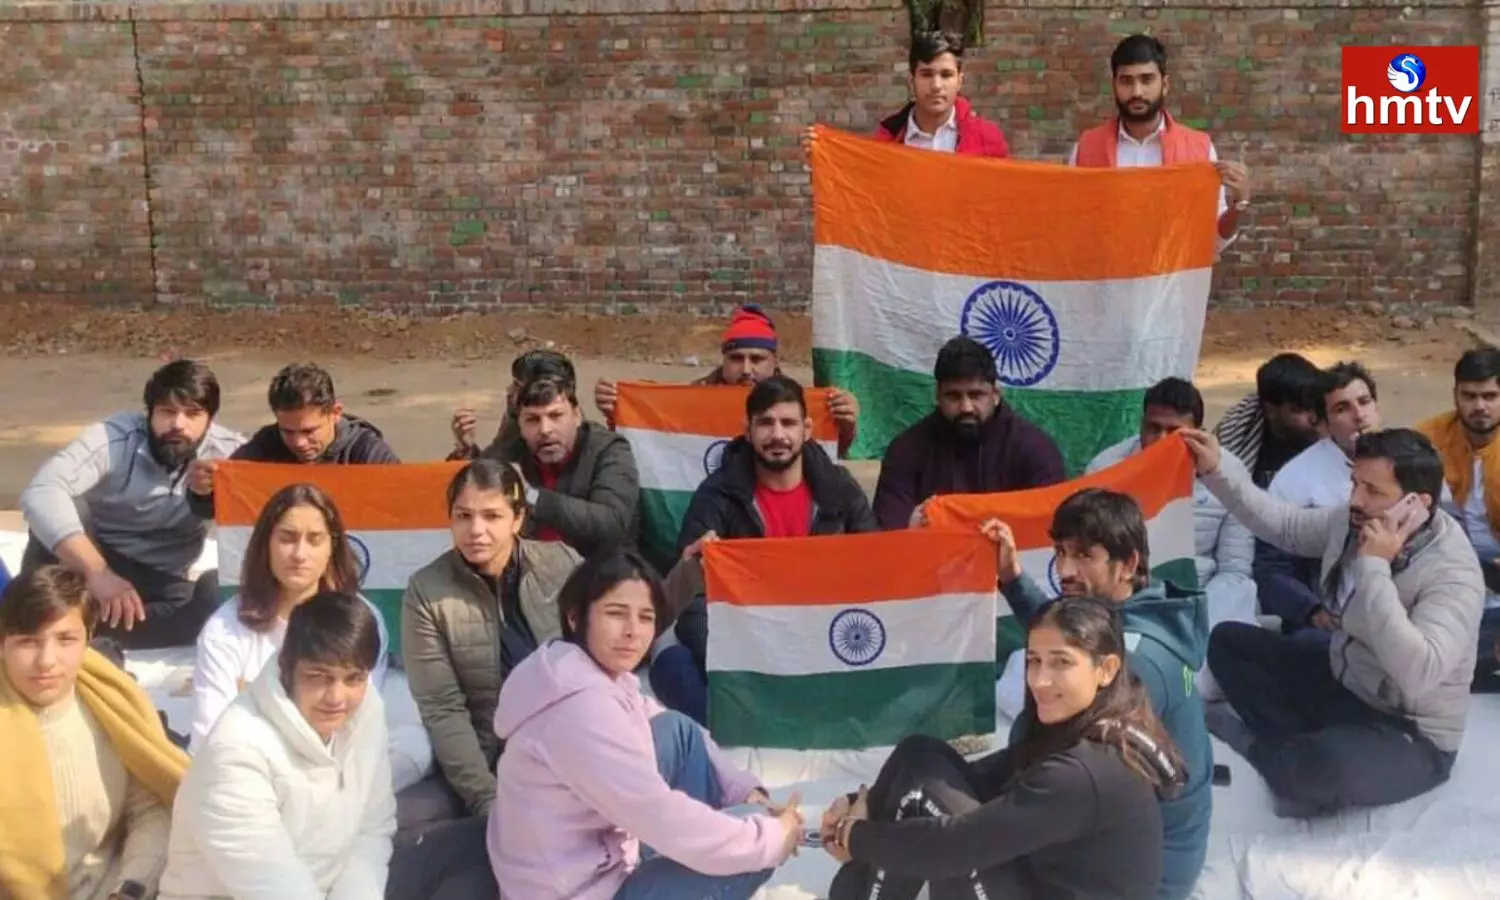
852,641
678,433
396,515
1161,481
1088,285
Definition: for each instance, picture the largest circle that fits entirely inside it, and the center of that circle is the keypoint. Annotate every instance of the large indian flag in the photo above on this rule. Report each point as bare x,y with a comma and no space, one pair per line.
396,515
852,641
1088,285
1161,481
678,433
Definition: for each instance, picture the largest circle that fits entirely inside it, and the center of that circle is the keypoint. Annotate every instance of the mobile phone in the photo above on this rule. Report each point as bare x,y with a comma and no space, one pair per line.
812,837
1405,513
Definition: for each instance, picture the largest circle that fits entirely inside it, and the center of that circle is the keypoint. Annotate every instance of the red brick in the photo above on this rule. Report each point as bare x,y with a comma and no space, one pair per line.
581,153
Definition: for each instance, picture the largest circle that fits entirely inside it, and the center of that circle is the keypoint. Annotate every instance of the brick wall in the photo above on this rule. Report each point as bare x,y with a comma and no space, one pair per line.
571,153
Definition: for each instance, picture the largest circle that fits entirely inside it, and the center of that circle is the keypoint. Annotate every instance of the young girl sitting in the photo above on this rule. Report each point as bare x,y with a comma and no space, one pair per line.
290,796
593,770
89,772
1069,811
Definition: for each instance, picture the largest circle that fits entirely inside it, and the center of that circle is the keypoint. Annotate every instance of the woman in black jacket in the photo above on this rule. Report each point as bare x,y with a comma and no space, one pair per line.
1069,812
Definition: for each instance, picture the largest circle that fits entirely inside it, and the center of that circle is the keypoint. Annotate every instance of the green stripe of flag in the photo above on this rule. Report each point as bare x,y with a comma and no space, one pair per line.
890,400
853,709
661,520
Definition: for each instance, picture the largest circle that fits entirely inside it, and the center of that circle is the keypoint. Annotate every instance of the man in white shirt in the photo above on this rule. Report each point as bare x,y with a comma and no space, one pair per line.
1145,134
1465,440
1317,478
937,117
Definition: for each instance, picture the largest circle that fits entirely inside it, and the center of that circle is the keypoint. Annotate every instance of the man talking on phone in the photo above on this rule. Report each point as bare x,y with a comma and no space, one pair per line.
1377,716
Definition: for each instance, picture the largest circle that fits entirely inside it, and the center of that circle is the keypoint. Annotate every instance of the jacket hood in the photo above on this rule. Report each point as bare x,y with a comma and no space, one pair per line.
1173,617
556,671
350,431
736,473
272,702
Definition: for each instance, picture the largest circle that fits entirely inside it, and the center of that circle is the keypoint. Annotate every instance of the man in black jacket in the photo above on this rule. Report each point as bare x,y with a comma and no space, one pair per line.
773,482
311,427
581,480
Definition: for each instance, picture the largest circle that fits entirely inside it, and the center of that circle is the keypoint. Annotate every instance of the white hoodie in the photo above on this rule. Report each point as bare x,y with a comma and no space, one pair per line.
268,811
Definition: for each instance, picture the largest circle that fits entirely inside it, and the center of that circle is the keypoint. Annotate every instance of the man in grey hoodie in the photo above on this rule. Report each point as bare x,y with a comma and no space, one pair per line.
112,505
1377,716
311,427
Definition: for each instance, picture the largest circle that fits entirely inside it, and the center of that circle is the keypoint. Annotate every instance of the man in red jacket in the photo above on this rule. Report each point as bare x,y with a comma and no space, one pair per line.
1145,134
937,118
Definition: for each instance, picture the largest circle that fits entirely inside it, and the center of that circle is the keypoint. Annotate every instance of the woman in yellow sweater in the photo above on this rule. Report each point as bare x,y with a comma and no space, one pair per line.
90,774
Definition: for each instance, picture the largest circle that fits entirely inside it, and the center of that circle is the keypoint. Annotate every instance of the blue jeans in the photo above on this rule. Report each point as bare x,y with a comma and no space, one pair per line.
682,759
679,684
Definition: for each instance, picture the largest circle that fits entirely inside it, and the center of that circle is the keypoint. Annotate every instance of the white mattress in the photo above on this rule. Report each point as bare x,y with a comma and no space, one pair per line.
1437,847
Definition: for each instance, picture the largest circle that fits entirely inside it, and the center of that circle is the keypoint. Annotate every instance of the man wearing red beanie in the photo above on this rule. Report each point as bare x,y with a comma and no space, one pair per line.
748,345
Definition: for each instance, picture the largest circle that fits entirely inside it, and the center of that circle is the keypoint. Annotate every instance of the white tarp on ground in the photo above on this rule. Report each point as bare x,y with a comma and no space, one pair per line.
1437,847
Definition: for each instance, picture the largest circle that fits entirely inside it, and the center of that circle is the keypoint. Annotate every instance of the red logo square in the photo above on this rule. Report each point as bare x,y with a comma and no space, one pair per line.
1410,90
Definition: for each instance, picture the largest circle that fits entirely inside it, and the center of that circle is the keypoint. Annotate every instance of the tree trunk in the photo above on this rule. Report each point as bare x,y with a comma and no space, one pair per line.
964,17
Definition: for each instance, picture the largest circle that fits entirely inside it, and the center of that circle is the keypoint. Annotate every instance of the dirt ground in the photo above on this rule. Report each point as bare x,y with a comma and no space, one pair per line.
66,367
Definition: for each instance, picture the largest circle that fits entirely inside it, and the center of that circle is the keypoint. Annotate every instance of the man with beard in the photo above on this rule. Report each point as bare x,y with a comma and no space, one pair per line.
528,366
1377,716
1145,134
112,506
774,482
311,427
582,486
1101,551
936,118
748,345
1271,426
1465,441
1317,478
973,443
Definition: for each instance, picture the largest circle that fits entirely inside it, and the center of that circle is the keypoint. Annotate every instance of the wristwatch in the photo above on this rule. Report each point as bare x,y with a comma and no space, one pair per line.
1241,205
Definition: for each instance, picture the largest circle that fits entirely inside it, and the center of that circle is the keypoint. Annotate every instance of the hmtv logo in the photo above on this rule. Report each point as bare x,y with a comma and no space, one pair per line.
1410,90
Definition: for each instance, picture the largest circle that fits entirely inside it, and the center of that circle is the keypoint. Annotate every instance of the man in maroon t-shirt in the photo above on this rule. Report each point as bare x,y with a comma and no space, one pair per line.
772,482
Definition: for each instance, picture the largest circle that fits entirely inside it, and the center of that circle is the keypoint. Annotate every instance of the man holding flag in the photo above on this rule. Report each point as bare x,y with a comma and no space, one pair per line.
773,483
748,345
1145,134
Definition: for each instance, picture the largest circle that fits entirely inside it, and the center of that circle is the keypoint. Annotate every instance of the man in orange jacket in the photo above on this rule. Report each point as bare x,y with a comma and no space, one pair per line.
1145,134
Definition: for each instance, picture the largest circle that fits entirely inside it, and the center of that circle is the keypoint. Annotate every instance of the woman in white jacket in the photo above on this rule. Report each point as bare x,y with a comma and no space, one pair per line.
299,546
290,797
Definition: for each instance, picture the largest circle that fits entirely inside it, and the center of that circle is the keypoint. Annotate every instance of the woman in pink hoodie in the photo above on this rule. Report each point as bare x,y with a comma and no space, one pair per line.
593,770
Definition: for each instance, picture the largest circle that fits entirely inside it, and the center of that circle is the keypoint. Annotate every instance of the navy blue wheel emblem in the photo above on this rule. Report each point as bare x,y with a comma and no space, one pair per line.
856,637
361,557
1019,328
1052,580
713,457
